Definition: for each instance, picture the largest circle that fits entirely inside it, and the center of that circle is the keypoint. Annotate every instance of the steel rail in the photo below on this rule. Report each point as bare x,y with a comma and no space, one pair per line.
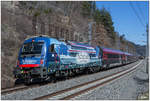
93,87
24,87
84,84
10,90
17,88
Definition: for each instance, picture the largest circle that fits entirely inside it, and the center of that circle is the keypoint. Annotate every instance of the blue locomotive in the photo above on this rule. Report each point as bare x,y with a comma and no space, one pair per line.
45,58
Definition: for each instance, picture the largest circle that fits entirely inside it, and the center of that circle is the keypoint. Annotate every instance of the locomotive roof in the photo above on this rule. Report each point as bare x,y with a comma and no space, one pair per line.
33,37
46,38
79,44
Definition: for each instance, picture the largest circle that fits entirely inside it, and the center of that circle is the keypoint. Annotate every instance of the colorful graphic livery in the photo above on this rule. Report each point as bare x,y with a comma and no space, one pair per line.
45,58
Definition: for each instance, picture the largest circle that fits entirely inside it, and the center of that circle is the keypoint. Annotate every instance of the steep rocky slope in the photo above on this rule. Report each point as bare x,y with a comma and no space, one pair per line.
17,24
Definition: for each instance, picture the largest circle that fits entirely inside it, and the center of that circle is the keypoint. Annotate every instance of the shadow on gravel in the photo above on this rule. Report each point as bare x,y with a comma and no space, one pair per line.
140,80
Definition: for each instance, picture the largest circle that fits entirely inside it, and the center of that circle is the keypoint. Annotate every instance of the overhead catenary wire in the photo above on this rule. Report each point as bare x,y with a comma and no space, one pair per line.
136,13
139,7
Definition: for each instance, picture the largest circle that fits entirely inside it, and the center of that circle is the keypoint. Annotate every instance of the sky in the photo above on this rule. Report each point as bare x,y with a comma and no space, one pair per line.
129,17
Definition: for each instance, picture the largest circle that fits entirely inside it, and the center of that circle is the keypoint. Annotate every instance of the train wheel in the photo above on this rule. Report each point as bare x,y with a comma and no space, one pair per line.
86,70
103,67
48,79
53,78
28,81
95,69
99,69
107,66
91,70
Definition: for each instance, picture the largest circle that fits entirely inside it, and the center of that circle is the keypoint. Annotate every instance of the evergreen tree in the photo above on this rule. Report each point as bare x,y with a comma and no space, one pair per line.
106,20
97,16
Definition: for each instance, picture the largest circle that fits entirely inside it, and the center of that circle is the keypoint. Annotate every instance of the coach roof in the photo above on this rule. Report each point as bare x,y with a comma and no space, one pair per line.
112,50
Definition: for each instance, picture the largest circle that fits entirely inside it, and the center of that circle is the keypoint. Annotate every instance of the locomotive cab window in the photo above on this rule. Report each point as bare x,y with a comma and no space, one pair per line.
32,48
51,48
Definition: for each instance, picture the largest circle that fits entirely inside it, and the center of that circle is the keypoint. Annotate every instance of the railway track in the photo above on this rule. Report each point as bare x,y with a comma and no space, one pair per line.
20,88
24,87
13,89
72,92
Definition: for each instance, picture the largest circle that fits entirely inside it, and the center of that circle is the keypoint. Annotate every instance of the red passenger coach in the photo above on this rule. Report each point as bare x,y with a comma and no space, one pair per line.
112,57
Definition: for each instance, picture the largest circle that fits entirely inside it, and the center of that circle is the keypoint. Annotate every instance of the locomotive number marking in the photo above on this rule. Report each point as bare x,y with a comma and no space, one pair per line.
82,58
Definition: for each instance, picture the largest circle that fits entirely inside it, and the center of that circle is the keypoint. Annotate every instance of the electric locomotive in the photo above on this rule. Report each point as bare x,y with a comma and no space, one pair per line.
44,58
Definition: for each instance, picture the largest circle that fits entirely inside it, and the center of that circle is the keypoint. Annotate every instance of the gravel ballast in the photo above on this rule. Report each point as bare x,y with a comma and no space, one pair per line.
128,87
47,89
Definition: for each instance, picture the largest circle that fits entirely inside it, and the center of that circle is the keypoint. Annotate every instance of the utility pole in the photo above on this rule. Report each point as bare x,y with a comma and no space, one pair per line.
147,50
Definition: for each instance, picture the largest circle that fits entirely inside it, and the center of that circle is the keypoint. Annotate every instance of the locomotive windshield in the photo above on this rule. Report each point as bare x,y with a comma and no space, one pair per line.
32,48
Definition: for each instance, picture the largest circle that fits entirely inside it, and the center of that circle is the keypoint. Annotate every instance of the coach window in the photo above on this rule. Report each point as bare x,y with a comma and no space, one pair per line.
112,55
109,55
116,55
51,48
